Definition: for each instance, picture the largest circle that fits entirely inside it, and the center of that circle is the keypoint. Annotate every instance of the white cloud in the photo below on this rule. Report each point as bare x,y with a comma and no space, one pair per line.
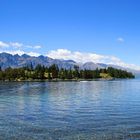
33,54
76,56
15,44
10,44
120,39
37,47
20,52
18,48
83,57
3,44
33,47
18,45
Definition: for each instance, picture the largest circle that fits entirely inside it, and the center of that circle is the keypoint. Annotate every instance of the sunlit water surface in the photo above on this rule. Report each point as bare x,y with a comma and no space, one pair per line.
91,110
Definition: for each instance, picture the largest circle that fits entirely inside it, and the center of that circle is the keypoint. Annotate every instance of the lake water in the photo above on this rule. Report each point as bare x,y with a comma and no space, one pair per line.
94,110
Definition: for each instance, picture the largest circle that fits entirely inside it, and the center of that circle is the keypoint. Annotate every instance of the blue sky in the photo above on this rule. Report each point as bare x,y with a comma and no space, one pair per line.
104,27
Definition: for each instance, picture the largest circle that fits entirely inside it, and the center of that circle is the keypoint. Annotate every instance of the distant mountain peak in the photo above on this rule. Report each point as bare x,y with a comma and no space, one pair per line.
15,61
41,56
25,56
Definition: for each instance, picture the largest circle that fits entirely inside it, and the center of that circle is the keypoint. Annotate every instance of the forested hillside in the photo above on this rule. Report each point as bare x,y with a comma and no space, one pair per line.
53,72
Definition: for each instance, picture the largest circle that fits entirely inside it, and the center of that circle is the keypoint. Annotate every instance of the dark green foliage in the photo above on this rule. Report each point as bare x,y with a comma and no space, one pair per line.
53,72
118,73
39,72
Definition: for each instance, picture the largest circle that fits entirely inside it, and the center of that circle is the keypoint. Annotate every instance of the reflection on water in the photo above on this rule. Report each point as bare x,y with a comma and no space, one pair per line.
70,110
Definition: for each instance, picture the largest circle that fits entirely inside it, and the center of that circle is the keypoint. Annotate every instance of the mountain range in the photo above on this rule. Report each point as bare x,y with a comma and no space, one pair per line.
16,61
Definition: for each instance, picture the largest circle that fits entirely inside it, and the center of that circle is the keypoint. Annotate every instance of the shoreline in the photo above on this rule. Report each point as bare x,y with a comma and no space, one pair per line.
65,80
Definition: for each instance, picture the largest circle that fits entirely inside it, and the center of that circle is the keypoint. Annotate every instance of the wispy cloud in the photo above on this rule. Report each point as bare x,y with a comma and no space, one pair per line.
19,48
21,52
18,45
3,44
37,47
120,39
33,47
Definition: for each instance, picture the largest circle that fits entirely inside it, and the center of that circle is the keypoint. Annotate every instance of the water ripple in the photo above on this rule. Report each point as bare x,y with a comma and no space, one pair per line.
94,110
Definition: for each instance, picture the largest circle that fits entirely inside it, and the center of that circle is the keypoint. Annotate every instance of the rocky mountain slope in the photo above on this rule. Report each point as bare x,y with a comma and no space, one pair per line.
16,61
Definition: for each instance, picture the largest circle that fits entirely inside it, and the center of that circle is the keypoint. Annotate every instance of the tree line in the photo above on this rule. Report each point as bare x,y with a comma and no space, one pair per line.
54,72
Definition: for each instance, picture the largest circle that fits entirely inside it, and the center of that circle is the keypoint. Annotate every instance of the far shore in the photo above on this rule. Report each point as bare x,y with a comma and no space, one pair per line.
64,80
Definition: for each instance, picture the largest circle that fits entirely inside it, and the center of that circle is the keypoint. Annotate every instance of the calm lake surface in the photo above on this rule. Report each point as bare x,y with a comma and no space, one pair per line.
90,110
